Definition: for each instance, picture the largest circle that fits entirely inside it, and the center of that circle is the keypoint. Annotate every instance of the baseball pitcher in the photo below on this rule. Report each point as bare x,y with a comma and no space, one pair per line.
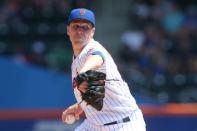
101,93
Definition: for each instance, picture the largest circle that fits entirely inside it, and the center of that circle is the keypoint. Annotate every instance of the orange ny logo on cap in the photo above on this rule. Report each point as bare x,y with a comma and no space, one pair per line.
82,11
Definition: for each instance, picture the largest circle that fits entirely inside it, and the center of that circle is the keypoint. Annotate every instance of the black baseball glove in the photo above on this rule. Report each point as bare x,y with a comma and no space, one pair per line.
95,91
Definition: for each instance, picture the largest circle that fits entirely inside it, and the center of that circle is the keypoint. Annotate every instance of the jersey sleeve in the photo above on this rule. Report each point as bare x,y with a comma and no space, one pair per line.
96,52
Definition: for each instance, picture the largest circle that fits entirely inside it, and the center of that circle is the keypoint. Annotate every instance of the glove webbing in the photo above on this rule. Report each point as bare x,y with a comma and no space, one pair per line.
105,80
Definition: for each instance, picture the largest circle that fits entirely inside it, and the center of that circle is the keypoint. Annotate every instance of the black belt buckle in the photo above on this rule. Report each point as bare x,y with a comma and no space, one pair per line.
126,119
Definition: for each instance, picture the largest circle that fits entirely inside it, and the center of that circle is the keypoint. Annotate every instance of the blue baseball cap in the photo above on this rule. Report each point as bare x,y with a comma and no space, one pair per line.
82,14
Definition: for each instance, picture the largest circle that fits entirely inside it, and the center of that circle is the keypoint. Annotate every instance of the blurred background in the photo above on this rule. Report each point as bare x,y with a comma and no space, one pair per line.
153,42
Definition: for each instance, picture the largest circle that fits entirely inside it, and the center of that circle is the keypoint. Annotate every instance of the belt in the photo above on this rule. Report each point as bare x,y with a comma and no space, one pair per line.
126,119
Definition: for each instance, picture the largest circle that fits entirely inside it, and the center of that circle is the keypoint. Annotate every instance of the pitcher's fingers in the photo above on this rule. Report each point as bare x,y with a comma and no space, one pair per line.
77,116
63,116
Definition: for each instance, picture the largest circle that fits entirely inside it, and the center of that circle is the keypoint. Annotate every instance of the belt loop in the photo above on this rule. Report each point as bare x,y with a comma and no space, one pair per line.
120,121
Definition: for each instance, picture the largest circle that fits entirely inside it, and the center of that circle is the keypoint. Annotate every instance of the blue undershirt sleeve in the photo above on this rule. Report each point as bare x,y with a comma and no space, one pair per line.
100,54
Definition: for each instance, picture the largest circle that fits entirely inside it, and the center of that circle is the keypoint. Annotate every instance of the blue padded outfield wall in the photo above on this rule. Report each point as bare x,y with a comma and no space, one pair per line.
23,87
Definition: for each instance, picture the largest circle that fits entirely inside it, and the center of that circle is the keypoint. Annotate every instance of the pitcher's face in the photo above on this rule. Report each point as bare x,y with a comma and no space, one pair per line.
80,31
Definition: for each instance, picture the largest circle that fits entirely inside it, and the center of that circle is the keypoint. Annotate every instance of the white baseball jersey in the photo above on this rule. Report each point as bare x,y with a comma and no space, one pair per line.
118,102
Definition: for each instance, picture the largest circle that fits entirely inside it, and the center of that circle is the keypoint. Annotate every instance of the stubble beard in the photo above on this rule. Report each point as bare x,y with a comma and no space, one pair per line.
81,42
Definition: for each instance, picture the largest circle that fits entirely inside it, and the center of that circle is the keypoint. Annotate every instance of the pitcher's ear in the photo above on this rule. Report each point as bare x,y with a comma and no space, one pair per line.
93,31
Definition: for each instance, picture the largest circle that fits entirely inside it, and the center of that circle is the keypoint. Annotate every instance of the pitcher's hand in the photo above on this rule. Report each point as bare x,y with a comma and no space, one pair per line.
74,110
